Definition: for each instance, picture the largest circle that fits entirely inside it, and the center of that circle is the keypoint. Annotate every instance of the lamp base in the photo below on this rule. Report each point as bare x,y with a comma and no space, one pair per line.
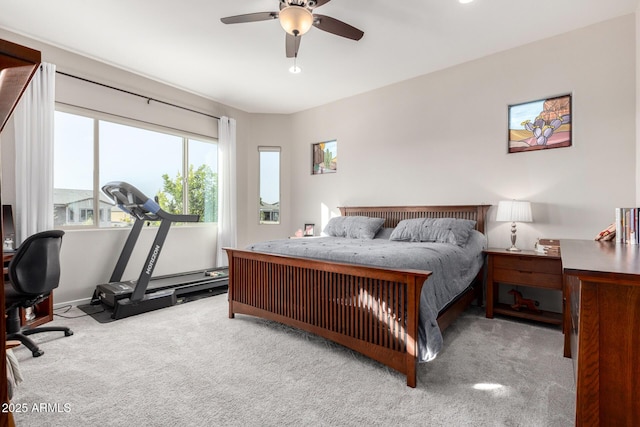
513,239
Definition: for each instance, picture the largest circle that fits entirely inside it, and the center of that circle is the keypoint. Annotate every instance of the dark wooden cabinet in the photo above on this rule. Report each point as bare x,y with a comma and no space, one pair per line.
602,281
40,314
526,269
18,64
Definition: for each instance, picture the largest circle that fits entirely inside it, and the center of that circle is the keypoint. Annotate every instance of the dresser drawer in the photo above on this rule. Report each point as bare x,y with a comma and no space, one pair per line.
529,264
517,277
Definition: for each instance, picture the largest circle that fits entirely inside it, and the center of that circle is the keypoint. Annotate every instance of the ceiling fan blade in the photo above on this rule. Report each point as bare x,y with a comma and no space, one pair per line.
250,17
292,45
334,26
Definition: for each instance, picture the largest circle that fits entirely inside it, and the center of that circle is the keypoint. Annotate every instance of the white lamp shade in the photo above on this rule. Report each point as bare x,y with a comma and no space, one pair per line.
296,20
514,211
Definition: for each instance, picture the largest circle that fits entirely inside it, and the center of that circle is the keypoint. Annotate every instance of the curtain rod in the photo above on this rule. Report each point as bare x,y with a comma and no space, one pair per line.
148,98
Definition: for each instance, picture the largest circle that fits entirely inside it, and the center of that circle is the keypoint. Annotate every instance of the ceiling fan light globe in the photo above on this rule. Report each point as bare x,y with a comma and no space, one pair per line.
295,20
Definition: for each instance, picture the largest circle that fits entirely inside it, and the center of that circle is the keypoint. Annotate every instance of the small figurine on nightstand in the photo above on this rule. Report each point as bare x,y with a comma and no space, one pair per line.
8,244
520,302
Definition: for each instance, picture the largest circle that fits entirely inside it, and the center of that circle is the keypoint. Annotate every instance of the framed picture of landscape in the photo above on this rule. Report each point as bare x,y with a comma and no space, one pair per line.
541,124
324,157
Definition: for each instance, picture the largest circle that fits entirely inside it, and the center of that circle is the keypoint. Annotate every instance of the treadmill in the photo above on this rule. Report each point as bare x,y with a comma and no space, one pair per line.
148,293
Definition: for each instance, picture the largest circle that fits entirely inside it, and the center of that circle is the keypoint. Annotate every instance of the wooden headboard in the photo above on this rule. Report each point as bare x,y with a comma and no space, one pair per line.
394,214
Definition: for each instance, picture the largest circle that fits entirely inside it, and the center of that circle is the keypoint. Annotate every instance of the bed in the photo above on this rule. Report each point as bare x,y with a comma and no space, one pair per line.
385,312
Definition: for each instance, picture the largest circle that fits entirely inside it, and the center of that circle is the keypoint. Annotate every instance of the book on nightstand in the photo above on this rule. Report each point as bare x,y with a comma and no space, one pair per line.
627,226
548,246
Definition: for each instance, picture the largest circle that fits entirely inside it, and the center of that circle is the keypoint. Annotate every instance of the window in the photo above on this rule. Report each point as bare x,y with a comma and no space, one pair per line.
86,215
73,167
178,170
269,203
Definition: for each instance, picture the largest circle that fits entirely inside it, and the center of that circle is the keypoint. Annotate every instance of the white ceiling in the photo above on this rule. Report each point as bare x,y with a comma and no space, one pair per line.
184,44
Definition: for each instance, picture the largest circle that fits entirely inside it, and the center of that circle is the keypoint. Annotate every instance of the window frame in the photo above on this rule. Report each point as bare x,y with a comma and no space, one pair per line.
98,116
270,149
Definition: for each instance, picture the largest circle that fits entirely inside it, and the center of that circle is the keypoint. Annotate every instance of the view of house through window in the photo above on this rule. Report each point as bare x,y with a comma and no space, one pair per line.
269,203
177,170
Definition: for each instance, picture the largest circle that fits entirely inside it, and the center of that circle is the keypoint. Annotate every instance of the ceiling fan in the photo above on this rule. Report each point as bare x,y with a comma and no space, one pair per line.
297,17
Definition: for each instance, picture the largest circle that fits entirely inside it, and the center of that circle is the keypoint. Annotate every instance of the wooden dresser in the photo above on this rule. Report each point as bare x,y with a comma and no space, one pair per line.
602,291
18,64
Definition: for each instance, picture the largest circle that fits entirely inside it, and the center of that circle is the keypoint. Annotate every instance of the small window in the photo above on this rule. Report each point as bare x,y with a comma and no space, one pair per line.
269,202
86,215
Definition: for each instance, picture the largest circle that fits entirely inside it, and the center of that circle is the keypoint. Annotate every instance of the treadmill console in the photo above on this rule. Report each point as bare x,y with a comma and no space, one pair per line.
131,200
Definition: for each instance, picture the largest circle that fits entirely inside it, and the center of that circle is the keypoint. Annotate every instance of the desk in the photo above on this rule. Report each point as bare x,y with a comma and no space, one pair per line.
43,310
602,291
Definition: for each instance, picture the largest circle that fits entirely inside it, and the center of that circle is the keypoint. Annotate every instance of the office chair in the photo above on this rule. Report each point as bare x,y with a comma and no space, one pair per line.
34,271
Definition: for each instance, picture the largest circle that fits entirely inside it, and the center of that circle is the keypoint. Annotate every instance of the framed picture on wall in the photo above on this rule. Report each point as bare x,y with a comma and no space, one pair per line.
540,125
324,157
309,229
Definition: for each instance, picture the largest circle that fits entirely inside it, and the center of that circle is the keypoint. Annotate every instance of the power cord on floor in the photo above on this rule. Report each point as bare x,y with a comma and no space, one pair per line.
68,307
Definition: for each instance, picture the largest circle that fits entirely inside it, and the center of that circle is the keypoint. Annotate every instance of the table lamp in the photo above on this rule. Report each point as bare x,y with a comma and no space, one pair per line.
514,211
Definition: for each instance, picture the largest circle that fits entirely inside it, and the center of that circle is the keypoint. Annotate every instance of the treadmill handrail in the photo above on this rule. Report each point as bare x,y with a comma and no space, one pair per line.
134,202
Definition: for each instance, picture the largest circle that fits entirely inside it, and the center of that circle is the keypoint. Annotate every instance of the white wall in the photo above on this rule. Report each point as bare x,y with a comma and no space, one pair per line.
89,256
268,130
442,138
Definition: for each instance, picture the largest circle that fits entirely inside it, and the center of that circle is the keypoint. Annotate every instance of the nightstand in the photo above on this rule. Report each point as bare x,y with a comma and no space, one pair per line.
523,269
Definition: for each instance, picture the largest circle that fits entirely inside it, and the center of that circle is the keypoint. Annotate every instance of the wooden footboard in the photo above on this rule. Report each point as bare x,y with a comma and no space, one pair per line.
374,311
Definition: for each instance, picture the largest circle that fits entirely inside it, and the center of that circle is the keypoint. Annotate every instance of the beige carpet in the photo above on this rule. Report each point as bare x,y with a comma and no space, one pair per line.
189,365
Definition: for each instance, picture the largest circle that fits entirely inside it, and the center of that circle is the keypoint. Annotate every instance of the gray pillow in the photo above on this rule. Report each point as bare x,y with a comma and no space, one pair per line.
335,227
408,230
440,230
353,227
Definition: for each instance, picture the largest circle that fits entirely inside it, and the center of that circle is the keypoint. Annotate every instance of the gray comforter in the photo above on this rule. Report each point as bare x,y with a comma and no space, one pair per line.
453,269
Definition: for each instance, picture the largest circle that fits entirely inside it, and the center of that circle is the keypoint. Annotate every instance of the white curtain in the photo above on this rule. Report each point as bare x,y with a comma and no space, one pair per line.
227,214
33,121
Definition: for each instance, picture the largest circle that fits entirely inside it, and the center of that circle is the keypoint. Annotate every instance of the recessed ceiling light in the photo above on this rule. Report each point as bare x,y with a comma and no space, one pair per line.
295,69
465,1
